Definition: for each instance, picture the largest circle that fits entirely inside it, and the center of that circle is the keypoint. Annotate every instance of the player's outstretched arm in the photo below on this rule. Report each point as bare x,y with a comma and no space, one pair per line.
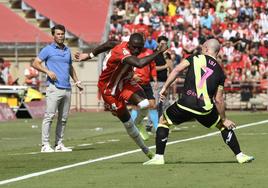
141,62
174,73
99,49
219,102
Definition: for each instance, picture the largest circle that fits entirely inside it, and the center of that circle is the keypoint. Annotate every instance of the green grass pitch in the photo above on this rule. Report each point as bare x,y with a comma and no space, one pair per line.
205,162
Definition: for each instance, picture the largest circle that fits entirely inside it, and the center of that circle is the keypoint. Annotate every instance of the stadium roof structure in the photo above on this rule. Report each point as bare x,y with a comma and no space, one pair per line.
15,29
85,19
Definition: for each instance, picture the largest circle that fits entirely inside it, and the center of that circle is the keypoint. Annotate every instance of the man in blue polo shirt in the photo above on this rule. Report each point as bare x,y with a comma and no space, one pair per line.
58,68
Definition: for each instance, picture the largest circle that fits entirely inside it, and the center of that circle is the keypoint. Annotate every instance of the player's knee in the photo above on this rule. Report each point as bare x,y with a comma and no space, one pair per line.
220,126
64,122
144,104
49,116
152,104
163,120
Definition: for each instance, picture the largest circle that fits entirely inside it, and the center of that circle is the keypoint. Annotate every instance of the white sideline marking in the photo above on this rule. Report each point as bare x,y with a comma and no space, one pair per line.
101,142
253,134
113,140
85,144
116,155
22,138
30,153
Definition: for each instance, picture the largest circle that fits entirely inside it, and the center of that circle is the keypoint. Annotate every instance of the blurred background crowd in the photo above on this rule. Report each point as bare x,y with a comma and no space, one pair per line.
240,25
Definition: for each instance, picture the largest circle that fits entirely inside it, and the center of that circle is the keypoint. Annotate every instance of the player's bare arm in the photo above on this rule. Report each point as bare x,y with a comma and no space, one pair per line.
37,64
172,77
99,49
141,62
75,79
219,102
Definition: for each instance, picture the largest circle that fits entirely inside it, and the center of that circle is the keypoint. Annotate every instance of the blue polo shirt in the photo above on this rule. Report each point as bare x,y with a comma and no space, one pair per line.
58,61
206,22
151,45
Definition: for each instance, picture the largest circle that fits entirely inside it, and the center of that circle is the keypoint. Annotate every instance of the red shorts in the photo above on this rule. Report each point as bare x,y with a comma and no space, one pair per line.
116,103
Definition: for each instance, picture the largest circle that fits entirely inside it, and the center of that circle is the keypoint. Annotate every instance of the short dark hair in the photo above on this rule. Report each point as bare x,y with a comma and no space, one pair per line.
136,36
159,39
58,26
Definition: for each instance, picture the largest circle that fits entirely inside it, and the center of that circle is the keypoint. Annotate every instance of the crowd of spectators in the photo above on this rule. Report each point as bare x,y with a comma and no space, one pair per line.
5,76
240,25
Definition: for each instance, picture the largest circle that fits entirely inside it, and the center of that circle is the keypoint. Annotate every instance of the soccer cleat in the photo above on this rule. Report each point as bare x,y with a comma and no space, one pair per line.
143,132
243,158
62,148
46,149
150,154
156,160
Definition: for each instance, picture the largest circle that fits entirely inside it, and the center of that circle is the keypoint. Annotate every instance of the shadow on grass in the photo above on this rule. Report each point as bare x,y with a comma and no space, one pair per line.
186,162
83,149
200,162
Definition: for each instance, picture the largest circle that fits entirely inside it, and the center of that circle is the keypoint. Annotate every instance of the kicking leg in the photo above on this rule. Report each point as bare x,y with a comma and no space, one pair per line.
133,132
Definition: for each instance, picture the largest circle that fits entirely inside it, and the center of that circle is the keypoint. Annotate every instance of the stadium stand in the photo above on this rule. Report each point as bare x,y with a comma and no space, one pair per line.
19,54
15,29
77,16
240,25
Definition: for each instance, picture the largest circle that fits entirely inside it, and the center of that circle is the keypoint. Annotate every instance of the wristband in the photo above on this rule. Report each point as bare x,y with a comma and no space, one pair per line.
78,82
91,55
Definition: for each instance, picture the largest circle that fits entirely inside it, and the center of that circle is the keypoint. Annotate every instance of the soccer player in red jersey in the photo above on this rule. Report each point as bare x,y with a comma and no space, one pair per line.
116,83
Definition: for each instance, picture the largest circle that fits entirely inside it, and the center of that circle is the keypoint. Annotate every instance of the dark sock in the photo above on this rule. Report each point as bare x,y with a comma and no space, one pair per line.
161,140
231,140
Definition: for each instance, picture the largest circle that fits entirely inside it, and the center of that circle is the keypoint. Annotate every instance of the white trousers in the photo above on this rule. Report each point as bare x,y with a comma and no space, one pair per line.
56,100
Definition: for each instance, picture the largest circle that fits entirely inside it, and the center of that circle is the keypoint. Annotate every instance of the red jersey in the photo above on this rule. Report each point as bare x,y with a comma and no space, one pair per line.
145,73
115,72
141,28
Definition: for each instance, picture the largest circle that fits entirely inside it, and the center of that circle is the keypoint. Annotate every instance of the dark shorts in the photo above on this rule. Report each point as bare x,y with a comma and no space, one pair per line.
176,115
148,90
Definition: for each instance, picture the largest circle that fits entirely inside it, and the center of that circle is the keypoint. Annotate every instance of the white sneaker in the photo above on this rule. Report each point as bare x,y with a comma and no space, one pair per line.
156,160
46,149
243,158
62,148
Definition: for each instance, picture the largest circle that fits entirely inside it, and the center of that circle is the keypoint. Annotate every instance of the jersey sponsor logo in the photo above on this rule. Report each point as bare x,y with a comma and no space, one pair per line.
114,107
125,52
111,107
194,94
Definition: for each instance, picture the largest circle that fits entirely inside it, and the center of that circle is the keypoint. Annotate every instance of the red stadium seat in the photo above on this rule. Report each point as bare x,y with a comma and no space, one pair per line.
15,29
86,19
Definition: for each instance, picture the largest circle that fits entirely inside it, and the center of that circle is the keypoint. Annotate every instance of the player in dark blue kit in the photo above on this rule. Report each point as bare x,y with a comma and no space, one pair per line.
202,99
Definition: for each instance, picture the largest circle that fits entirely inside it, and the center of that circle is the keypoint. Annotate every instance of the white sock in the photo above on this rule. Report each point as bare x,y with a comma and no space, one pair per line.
134,133
239,154
157,156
